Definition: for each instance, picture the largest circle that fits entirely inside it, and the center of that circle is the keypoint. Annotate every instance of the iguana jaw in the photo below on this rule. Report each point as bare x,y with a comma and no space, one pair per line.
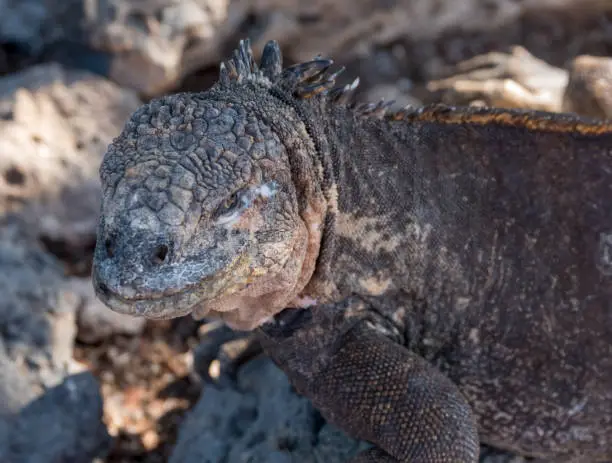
164,306
270,293
176,305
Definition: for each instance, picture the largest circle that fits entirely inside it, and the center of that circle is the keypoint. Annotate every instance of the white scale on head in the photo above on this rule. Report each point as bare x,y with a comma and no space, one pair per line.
266,190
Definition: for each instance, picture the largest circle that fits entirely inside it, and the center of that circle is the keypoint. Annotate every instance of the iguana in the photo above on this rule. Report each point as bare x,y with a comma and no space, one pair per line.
430,278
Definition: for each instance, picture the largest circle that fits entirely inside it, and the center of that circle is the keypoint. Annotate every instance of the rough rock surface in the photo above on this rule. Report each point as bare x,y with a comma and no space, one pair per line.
23,21
140,45
262,419
55,125
37,316
95,322
352,28
62,425
151,46
38,411
151,43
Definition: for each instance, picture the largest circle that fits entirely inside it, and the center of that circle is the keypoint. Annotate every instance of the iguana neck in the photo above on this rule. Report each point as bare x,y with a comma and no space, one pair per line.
435,203
379,219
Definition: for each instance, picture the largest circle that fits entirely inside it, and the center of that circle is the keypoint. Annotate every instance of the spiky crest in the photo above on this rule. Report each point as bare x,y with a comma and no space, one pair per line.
302,80
314,78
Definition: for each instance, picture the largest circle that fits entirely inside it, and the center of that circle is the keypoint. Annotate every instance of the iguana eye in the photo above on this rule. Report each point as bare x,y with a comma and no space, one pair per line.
229,206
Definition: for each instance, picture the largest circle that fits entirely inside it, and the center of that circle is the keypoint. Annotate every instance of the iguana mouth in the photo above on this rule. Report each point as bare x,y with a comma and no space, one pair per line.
171,306
165,305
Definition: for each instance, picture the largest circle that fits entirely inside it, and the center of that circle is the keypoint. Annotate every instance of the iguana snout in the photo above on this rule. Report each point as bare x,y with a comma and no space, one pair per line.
136,271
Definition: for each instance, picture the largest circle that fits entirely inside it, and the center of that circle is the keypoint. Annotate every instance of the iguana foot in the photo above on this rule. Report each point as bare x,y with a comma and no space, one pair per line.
222,351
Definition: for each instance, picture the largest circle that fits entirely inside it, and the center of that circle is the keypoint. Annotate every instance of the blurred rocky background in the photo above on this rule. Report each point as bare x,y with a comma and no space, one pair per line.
79,383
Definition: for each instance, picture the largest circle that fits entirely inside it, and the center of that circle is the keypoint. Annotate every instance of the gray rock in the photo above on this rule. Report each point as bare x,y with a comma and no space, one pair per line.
15,388
5,431
491,455
37,317
150,46
95,321
23,21
63,425
44,415
261,420
154,44
146,46
55,125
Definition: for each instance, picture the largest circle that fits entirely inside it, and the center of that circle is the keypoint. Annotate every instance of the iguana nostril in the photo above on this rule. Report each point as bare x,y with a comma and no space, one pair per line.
103,288
110,248
160,254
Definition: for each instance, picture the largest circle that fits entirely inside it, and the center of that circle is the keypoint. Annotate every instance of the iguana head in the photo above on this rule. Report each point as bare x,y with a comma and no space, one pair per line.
212,202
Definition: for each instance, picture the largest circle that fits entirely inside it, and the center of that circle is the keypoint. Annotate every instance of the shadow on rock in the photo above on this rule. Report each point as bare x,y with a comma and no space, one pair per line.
63,425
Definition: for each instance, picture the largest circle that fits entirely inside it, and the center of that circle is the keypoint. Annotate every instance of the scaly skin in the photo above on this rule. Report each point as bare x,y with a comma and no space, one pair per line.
428,278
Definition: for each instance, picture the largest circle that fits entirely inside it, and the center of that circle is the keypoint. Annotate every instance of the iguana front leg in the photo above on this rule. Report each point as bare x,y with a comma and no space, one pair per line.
374,388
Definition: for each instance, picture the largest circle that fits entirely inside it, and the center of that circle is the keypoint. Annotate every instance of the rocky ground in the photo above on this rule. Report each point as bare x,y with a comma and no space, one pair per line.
79,383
